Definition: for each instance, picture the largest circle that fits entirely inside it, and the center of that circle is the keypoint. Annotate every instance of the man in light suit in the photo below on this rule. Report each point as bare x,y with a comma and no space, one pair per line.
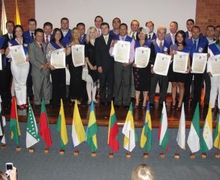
40,69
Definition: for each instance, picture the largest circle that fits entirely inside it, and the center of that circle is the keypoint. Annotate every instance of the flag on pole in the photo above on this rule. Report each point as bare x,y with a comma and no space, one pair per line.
163,129
181,135
78,132
44,127
217,134
207,136
146,134
92,129
32,134
61,126
4,18
17,14
129,131
194,132
14,123
113,130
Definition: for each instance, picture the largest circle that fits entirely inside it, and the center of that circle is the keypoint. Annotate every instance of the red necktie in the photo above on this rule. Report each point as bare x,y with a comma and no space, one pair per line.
42,48
47,40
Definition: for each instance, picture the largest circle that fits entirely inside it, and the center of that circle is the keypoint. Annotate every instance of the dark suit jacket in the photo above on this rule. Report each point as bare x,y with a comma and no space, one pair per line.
103,57
27,37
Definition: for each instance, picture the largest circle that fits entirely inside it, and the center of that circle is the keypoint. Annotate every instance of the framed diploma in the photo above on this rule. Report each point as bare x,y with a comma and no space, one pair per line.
199,62
180,62
162,63
142,56
58,58
1,62
17,54
215,65
78,55
121,51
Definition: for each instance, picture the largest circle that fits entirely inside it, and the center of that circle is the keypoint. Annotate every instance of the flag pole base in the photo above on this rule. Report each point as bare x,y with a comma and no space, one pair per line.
76,153
192,156
62,152
204,155
93,154
128,155
4,147
18,149
217,155
111,155
145,155
31,150
177,156
162,155
46,150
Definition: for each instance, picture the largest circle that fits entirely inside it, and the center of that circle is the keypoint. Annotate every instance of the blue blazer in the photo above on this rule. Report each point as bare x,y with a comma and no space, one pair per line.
168,39
66,39
27,37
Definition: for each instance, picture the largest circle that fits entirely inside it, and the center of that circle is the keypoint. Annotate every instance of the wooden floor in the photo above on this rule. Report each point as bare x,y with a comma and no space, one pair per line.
102,115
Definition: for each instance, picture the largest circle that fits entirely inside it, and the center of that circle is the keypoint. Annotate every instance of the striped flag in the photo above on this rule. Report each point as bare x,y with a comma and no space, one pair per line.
92,129
44,126
78,132
217,134
129,131
17,14
146,134
181,135
193,140
61,126
14,123
4,18
163,129
207,136
32,135
113,130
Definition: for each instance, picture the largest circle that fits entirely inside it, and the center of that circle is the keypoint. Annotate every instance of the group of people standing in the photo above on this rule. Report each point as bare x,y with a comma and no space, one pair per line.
116,81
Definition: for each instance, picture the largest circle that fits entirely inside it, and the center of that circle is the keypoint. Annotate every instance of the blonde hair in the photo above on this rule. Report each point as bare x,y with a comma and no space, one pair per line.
162,27
92,28
143,172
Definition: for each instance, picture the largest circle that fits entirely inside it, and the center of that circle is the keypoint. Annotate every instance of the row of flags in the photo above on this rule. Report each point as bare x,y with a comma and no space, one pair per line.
4,17
79,135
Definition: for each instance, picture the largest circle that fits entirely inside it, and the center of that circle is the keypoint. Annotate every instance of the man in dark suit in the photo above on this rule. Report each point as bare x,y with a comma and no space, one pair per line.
82,28
29,34
48,28
189,26
151,35
105,64
40,69
5,73
66,31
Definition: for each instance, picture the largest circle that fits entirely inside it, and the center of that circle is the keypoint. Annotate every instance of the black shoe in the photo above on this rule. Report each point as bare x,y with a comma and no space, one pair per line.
126,107
151,105
102,104
108,103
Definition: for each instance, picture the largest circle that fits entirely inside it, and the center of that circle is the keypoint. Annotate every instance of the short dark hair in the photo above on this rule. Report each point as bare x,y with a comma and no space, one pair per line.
135,21
116,18
123,24
64,18
38,30
210,26
54,32
98,17
32,20
139,31
105,24
174,23
80,24
10,22
196,27
183,35
190,20
15,27
48,24
149,22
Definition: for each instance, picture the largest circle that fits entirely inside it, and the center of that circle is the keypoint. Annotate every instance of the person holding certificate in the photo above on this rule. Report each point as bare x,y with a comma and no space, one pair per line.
159,45
58,73
178,79
75,72
141,75
19,65
92,77
214,72
122,70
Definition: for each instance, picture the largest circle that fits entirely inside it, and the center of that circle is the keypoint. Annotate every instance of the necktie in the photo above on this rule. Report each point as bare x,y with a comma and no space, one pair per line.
10,37
149,37
42,48
106,39
98,33
133,36
32,36
195,44
47,40
161,45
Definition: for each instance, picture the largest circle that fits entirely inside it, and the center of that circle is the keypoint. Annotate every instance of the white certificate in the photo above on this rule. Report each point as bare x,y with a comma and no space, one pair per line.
199,62
215,65
78,55
58,58
142,56
0,62
17,54
180,62
162,63
121,51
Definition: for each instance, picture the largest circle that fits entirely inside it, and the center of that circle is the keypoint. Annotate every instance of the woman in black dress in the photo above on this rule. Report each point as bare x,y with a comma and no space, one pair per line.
141,75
